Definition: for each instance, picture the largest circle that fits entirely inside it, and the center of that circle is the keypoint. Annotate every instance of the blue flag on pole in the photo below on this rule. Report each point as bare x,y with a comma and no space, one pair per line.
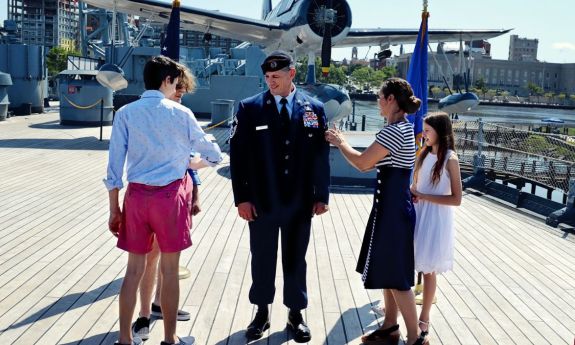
171,44
417,77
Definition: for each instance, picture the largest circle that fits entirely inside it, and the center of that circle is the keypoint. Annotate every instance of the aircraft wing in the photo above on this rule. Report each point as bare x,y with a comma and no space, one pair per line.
226,25
387,37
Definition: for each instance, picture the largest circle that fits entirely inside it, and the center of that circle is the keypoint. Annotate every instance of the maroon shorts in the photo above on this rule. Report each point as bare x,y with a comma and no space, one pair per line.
160,211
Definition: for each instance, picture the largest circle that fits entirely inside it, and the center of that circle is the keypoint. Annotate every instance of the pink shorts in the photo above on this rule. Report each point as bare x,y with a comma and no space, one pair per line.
160,211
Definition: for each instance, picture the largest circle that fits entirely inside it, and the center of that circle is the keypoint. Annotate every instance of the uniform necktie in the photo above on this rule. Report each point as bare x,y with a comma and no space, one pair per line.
284,114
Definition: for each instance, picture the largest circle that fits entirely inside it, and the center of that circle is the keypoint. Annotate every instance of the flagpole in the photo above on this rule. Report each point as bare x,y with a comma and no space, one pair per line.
171,48
418,290
419,284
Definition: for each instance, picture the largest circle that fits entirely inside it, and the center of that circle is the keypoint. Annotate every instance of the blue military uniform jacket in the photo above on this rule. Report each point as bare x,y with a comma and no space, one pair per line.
271,170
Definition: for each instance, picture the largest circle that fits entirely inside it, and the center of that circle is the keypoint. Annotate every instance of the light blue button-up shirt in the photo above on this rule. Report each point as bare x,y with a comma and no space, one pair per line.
154,137
289,104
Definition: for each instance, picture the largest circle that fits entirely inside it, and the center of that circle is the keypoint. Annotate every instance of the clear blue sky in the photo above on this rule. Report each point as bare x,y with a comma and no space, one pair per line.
549,21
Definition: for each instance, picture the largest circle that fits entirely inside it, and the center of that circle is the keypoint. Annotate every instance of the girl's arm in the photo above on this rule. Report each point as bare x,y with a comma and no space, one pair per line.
454,199
366,160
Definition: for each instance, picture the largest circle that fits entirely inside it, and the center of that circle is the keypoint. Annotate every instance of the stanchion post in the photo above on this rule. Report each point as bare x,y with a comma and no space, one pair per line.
363,123
101,117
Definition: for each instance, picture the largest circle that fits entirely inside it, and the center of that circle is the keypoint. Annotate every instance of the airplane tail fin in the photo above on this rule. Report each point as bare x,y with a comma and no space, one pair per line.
266,8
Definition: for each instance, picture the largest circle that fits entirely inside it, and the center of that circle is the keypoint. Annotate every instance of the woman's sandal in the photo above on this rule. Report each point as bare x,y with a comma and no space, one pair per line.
424,332
379,336
422,339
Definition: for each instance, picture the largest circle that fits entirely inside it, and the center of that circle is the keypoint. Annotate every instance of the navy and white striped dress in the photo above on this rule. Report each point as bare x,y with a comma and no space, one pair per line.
386,260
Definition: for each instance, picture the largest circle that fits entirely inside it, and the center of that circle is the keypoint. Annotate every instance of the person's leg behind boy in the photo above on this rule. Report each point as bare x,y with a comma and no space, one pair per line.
170,217
149,281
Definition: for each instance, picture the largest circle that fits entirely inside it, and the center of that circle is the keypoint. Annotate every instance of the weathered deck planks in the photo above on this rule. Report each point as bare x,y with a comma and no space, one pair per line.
513,282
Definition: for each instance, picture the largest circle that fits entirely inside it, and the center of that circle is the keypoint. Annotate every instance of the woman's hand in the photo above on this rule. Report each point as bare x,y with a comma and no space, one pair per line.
334,137
415,195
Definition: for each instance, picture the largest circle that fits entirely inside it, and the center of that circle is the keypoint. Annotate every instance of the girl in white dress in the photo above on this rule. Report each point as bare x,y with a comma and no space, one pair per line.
436,189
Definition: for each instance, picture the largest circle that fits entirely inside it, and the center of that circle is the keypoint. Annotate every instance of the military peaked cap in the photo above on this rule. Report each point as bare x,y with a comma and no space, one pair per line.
276,61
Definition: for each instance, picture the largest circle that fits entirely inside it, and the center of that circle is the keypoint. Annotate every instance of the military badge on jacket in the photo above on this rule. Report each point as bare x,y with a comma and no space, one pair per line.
310,119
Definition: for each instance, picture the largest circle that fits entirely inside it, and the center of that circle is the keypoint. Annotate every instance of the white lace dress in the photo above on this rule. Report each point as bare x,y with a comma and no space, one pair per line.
434,233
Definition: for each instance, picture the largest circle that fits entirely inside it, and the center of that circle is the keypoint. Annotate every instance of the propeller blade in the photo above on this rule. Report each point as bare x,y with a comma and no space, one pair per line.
326,44
326,52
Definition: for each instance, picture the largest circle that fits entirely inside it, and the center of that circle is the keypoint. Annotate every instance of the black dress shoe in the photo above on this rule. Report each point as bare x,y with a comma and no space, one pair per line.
300,330
258,326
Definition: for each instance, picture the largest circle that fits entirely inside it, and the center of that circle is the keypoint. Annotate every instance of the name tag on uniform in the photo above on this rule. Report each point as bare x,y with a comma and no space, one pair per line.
259,128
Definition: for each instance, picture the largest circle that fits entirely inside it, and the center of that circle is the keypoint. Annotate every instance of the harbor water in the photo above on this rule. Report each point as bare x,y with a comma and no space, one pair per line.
488,113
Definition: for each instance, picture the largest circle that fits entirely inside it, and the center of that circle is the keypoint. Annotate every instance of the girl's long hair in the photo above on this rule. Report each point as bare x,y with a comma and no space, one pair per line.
441,123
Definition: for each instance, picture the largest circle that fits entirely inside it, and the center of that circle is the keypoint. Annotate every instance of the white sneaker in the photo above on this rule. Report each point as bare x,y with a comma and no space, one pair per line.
135,341
182,341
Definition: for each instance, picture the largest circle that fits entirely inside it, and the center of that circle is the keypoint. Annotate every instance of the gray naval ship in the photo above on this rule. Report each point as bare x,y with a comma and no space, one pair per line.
304,28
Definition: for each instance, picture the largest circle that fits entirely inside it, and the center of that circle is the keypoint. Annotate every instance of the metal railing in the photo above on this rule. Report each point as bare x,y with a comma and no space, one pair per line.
542,160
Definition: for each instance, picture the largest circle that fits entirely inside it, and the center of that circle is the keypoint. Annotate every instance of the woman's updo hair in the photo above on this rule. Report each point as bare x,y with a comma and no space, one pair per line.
401,90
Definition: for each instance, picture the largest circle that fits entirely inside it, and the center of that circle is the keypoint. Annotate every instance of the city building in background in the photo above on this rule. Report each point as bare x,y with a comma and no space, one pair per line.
505,75
522,49
514,75
47,23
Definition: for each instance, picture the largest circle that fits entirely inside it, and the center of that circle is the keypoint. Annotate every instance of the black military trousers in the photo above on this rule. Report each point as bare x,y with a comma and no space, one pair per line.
295,233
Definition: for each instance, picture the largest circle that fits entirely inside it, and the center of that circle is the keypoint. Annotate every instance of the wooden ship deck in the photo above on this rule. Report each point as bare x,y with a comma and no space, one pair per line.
60,272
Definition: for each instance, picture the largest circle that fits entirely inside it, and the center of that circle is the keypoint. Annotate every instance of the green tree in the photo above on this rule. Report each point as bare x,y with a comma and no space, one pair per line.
550,96
481,86
57,59
353,67
561,97
336,74
491,93
534,90
378,76
362,75
435,91
343,75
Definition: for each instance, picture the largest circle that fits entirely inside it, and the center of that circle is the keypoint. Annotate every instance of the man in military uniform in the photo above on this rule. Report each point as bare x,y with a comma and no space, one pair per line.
279,163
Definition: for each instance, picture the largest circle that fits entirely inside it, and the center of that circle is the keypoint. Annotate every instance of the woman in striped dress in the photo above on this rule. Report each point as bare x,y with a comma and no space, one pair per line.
386,259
